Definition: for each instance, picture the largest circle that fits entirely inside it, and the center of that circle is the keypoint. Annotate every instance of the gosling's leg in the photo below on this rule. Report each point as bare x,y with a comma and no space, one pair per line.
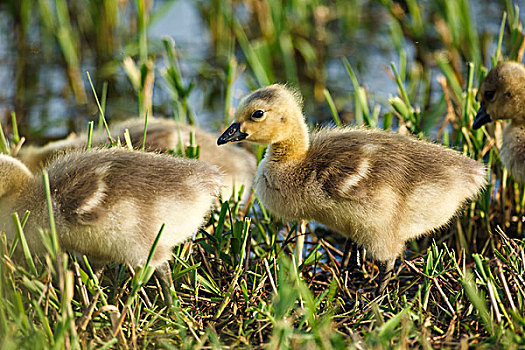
385,273
299,242
356,259
347,254
352,256
163,273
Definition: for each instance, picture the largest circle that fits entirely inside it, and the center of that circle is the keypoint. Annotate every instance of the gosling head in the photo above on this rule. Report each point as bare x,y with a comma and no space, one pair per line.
502,94
266,116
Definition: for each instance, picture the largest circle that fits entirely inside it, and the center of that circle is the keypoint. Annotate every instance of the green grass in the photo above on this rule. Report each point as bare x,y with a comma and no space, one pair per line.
240,283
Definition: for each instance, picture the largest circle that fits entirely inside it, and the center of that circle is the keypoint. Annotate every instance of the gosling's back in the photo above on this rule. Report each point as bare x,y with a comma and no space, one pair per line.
237,164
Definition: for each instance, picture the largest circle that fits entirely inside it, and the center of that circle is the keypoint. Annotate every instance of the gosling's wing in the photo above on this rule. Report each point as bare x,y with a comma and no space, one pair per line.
353,163
337,162
79,191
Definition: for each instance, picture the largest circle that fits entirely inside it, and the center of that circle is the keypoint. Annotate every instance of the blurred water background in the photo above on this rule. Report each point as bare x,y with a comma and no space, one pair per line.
46,48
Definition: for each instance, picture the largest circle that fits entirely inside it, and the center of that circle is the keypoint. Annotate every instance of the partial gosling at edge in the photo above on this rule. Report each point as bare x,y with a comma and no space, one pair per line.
110,204
161,136
502,95
377,188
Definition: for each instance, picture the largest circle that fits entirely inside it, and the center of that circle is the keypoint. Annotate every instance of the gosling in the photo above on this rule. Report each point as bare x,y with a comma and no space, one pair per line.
376,188
110,204
502,95
161,135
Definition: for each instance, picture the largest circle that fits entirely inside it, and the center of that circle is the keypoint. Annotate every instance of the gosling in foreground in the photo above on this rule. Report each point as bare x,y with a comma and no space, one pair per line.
237,164
110,204
502,95
376,188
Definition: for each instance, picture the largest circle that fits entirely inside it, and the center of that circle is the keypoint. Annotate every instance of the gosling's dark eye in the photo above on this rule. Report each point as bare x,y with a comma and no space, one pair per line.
258,114
489,95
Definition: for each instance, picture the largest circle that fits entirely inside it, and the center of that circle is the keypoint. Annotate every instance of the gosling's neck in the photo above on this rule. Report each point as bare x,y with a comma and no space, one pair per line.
518,123
515,125
293,147
514,134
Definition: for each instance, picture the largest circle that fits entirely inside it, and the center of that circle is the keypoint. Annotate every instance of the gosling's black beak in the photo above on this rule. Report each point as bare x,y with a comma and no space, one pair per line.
232,134
481,119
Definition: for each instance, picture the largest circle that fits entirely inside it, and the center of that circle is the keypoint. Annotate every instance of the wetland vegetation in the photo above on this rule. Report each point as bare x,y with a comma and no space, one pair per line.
408,66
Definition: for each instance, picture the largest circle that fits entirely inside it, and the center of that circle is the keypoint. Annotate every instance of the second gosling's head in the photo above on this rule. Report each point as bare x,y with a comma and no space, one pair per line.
266,116
502,94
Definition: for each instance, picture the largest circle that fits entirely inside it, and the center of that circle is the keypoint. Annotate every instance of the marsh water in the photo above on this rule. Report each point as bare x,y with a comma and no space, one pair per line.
35,82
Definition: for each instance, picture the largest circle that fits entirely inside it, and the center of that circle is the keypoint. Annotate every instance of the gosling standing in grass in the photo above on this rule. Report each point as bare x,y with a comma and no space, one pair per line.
377,188
162,135
110,204
502,95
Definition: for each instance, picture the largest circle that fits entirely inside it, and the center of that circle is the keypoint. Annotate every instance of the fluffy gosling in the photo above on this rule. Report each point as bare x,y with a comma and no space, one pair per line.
110,204
377,188
162,135
502,95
